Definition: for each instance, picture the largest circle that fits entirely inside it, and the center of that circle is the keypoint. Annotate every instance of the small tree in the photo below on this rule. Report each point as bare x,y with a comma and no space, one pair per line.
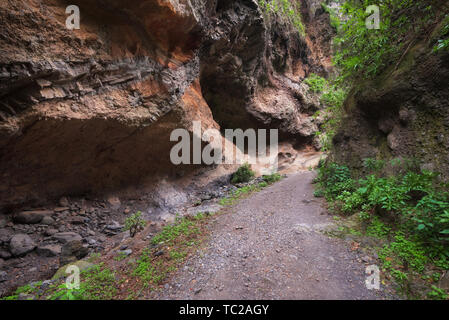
243,174
134,223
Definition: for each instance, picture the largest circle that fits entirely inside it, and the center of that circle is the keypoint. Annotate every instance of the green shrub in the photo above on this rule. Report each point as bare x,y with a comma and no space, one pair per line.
272,178
431,217
98,283
334,180
373,164
334,19
134,223
363,53
377,228
316,83
416,200
405,253
437,294
243,174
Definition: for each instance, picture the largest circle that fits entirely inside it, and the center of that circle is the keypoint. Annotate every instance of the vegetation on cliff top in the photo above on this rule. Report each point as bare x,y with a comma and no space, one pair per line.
361,53
287,10
365,53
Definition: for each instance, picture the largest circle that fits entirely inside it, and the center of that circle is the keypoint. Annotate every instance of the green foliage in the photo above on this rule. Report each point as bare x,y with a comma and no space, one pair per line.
404,253
316,83
378,229
169,233
176,240
431,217
408,210
334,19
120,256
243,174
437,294
417,200
364,53
332,97
97,283
443,44
271,178
334,180
134,223
240,192
426,216
148,271
373,164
289,10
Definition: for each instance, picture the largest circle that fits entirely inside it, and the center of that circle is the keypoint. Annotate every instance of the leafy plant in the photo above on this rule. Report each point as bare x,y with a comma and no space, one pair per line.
134,223
417,200
243,174
271,178
437,294
373,164
169,233
378,229
363,53
97,283
316,83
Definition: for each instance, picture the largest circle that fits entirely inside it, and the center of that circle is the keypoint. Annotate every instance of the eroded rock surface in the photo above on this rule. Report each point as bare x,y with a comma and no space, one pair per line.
402,113
86,115
91,110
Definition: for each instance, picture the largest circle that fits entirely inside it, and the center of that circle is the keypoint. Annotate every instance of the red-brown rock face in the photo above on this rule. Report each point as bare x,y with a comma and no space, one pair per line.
91,110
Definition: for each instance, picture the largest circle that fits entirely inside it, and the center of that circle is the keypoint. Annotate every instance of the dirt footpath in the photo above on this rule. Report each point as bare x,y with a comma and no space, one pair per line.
270,246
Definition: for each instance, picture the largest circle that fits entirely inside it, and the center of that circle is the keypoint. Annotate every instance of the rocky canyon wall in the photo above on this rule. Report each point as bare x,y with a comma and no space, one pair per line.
91,110
402,113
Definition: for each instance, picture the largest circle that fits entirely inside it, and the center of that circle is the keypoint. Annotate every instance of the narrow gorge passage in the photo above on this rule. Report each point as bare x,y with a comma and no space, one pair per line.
271,246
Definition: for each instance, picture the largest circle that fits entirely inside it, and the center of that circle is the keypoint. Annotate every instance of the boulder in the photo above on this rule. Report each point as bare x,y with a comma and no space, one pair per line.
114,202
5,235
125,252
2,221
21,244
31,217
3,276
64,202
50,232
81,264
386,125
73,251
5,254
65,237
77,220
25,296
168,218
47,220
393,140
49,250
